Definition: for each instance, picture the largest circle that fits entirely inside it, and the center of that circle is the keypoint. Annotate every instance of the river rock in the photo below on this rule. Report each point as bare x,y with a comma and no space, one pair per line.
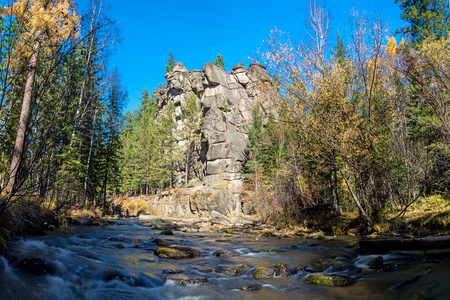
34,265
217,218
330,280
263,273
176,252
160,242
315,267
165,227
377,263
167,232
233,271
187,280
284,270
251,287
224,253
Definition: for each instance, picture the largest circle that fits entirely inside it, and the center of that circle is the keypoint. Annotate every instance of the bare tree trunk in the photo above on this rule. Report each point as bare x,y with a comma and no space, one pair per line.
24,116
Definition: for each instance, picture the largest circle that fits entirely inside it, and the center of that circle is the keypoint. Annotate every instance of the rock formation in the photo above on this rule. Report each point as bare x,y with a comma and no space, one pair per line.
216,164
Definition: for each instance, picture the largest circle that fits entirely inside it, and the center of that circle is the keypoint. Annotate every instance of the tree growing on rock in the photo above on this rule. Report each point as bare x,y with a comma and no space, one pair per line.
170,63
219,61
192,120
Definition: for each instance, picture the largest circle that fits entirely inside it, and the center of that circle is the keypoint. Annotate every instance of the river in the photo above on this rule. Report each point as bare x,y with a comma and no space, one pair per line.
88,263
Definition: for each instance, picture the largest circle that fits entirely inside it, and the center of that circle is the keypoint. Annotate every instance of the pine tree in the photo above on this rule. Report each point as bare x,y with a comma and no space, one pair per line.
219,61
170,63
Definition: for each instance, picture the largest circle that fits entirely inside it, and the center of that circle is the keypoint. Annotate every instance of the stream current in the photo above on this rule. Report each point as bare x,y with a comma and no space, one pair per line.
87,263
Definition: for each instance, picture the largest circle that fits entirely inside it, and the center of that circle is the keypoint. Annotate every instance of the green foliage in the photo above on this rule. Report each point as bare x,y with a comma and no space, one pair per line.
192,120
148,147
426,18
340,51
170,63
219,61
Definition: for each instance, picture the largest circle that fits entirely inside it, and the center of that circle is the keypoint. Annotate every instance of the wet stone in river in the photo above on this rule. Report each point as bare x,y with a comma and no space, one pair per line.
263,273
251,287
34,265
176,252
330,280
187,280
224,253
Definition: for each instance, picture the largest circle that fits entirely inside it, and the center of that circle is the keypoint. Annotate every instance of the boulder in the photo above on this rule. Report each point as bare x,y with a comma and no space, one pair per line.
224,253
167,232
236,271
263,273
34,265
376,263
215,74
257,72
176,252
217,218
160,242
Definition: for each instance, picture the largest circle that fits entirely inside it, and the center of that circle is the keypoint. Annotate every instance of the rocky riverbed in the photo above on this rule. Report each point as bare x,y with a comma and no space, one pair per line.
156,258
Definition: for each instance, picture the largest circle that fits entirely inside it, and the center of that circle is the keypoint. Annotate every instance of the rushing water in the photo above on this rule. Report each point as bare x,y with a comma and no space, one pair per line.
85,263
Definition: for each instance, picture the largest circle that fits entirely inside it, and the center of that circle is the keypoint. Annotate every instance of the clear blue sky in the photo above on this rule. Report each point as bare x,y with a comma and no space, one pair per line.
197,30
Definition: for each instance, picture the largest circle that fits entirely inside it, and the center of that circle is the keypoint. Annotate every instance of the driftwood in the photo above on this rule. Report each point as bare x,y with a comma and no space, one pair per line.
427,243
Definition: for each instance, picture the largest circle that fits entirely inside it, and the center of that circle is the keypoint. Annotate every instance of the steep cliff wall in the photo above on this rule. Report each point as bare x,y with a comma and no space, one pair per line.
216,164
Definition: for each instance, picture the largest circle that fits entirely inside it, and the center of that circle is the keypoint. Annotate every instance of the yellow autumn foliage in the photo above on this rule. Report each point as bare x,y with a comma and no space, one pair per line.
50,21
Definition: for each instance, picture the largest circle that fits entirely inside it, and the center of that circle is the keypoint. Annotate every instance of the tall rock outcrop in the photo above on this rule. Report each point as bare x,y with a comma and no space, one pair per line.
216,164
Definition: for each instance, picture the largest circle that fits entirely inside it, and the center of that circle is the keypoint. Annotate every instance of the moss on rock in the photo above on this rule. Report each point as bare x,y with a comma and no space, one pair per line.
263,273
176,252
331,280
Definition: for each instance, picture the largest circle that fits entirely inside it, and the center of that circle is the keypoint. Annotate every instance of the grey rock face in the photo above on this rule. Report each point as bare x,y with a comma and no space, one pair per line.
226,101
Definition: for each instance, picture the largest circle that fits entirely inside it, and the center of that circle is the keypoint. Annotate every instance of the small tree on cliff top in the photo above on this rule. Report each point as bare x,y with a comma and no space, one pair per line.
170,63
219,61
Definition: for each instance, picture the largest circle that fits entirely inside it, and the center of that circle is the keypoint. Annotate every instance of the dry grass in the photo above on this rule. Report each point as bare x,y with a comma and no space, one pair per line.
429,215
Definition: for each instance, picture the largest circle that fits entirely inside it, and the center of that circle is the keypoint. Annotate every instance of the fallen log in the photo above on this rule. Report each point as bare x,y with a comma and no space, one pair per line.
427,243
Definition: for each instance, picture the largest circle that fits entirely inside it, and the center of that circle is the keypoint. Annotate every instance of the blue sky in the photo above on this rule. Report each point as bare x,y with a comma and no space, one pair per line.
197,30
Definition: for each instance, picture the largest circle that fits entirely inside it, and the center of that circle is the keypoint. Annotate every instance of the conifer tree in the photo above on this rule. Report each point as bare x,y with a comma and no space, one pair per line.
170,63
219,61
